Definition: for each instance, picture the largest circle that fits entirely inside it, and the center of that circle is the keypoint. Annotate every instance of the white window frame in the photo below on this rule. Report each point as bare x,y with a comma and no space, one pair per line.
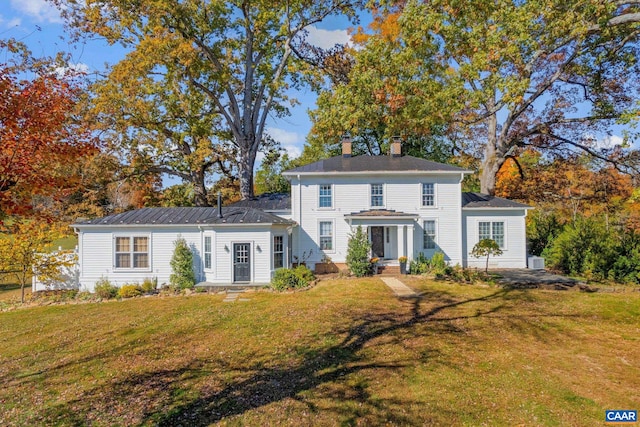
333,236
492,236
422,194
131,252
435,234
209,253
381,195
274,252
331,196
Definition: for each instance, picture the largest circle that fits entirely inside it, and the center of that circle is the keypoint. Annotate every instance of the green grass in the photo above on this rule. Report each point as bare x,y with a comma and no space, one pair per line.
344,353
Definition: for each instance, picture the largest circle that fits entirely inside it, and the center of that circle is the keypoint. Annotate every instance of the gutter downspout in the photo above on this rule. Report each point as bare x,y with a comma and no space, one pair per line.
461,235
299,217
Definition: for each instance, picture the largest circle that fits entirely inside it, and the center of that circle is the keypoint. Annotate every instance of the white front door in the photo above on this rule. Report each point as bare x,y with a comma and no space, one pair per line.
390,243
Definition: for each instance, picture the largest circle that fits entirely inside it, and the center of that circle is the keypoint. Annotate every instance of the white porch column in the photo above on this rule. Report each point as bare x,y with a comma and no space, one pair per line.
410,249
401,250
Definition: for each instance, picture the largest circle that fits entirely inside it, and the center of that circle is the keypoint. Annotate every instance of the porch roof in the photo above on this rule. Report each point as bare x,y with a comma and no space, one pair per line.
380,213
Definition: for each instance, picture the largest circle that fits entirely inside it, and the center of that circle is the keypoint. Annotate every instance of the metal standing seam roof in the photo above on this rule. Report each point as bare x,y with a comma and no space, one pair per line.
187,216
379,164
479,201
267,202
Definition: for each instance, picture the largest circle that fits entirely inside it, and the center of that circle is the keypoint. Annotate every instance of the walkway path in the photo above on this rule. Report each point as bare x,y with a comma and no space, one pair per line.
400,289
233,295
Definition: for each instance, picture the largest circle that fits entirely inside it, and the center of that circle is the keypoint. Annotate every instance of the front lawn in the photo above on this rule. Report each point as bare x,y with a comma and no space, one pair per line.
344,353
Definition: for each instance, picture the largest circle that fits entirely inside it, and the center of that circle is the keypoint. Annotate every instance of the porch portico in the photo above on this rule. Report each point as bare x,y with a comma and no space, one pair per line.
391,233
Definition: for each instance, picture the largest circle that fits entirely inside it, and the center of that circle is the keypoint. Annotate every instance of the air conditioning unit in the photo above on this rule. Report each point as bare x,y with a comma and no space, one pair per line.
536,263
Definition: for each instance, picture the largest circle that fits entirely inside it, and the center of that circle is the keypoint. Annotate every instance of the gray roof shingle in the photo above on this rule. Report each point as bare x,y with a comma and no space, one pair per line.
184,216
479,200
266,202
374,164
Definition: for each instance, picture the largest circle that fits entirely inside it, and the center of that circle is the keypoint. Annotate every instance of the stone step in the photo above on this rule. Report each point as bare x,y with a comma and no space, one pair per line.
389,270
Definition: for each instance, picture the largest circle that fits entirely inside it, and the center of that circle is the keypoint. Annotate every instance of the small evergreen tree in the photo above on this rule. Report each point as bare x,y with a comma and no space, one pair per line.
183,276
358,250
486,247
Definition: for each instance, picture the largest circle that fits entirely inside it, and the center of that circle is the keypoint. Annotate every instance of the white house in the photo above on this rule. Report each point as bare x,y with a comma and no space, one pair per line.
407,205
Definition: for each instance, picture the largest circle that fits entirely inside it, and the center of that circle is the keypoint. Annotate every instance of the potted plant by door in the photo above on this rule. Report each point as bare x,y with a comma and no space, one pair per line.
403,264
374,265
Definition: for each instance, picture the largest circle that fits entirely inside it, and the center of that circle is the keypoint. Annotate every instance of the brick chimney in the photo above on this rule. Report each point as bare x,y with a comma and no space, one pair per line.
396,147
346,146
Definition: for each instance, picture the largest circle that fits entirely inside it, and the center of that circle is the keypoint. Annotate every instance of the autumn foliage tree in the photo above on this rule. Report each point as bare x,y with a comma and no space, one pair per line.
21,246
40,140
201,79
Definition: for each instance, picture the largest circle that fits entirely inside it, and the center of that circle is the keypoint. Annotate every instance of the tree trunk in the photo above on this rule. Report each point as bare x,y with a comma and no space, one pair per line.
245,172
200,188
493,154
490,167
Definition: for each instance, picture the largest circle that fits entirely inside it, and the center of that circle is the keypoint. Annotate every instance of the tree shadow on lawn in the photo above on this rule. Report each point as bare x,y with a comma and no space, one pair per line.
166,398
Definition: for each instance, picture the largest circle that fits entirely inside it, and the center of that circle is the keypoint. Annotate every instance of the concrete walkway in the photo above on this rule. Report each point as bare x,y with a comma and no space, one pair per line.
400,289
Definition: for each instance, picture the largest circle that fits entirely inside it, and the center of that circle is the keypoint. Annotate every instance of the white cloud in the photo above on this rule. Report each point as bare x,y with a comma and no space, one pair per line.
291,142
605,142
72,69
326,39
13,22
39,10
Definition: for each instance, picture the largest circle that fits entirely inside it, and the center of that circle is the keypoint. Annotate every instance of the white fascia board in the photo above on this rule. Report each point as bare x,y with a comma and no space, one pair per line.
364,218
199,225
492,208
377,173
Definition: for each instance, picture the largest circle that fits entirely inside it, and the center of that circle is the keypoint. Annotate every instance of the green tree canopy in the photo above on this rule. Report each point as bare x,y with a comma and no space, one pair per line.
503,75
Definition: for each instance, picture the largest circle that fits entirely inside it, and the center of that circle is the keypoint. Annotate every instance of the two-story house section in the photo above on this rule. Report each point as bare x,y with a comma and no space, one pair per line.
406,205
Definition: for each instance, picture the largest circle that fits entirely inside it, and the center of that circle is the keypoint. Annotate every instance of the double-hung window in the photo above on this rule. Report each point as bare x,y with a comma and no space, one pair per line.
428,194
492,230
326,235
377,195
278,252
207,252
429,237
325,199
132,252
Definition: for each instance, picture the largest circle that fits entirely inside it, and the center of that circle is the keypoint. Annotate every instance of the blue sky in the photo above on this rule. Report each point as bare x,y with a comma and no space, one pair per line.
38,24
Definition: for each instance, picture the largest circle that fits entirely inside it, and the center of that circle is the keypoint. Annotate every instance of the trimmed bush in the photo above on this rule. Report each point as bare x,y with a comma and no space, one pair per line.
358,250
129,290
304,274
286,278
183,276
104,289
149,285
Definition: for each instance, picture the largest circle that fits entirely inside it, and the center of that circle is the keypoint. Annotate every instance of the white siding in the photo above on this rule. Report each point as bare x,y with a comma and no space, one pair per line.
96,247
260,239
351,194
515,250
